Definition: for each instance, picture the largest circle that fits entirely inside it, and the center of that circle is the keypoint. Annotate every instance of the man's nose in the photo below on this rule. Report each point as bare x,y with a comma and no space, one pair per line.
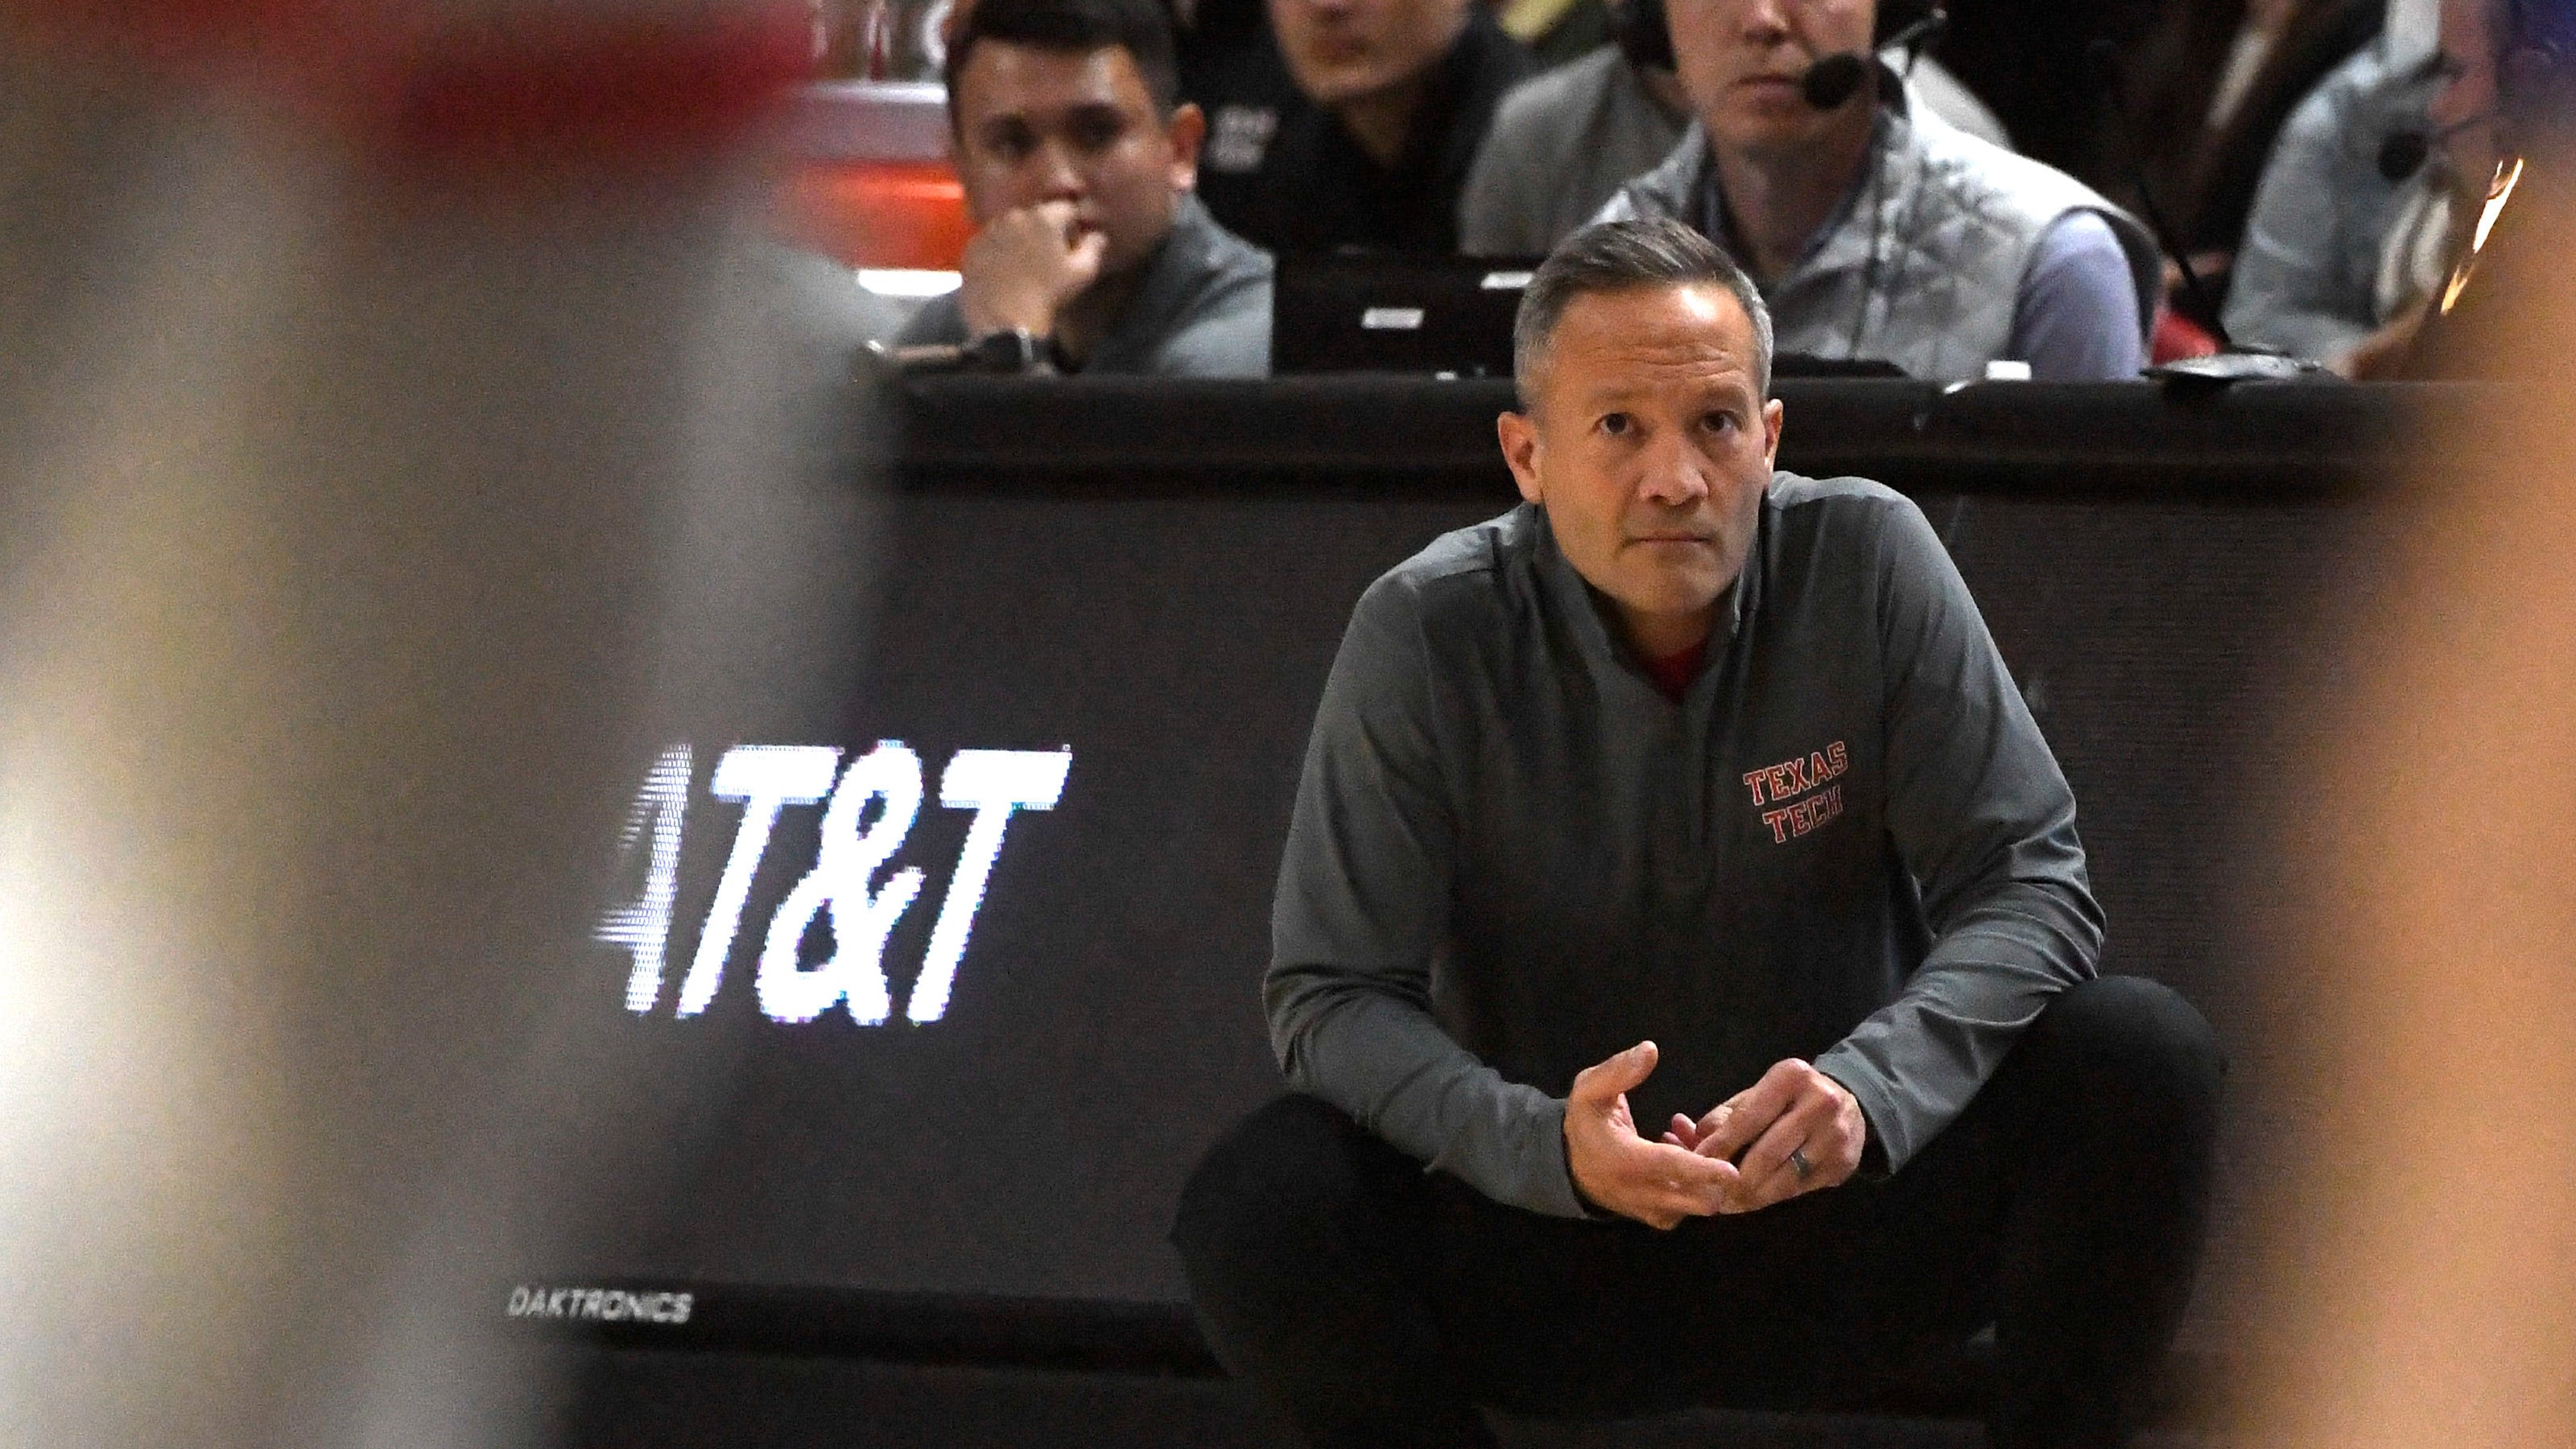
1765,22
1058,174
1676,474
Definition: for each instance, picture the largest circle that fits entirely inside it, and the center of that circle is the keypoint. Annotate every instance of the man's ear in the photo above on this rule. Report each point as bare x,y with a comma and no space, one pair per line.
1519,435
1772,414
1187,131
958,161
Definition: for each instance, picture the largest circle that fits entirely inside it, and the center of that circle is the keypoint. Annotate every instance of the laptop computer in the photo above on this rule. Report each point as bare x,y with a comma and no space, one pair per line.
1382,312
1432,315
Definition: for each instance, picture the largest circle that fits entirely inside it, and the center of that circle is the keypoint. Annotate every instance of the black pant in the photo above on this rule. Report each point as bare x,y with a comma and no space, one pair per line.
1378,1303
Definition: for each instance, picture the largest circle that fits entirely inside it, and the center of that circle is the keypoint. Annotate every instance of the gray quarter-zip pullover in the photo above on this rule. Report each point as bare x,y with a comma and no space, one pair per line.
1513,856
1202,308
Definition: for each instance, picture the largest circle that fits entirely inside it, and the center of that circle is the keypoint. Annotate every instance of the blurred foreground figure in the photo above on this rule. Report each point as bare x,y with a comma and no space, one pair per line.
403,434
2425,1288
1683,953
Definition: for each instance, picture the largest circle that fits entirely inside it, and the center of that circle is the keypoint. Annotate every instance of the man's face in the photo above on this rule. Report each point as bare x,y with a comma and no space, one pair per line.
1650,447
1039,125
1741,62
2467,99
1344,50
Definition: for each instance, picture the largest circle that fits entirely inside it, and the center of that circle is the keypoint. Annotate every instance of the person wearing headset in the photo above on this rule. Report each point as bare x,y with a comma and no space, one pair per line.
2499,78
1877,231
1564,141
2308,273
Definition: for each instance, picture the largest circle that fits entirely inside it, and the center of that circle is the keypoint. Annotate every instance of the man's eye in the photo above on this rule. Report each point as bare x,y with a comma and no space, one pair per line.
1615,424
1008,138
1098,135
1718,422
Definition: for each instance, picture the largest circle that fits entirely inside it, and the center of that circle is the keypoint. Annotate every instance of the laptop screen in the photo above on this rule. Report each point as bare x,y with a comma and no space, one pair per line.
1378,312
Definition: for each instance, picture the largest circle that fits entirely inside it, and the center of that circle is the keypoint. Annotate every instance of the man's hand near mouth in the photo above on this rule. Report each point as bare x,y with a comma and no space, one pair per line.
1025,266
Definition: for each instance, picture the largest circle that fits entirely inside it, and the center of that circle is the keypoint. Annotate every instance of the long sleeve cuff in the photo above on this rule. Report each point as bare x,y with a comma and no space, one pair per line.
1880,1153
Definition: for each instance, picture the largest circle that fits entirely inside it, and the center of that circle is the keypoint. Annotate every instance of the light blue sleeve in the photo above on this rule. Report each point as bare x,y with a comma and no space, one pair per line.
2302,284
2076,319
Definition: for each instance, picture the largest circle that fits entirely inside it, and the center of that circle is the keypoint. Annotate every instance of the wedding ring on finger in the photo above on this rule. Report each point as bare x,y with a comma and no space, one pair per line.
1799,1164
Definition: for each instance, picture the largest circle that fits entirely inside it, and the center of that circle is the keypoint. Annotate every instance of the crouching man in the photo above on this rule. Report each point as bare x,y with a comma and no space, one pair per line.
1683,955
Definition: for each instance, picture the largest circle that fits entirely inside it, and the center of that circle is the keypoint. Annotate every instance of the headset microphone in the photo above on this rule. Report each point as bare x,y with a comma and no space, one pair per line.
1830,82
1833,80
2404,153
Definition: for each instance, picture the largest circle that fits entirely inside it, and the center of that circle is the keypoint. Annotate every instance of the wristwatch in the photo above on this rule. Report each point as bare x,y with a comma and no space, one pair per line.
1009,350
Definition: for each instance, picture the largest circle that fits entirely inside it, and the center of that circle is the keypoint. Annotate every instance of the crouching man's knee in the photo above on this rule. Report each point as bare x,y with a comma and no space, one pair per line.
2133,1058
1274,1197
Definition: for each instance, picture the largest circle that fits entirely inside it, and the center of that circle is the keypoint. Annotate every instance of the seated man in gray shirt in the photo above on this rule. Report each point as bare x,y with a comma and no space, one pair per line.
1675,853
1091,253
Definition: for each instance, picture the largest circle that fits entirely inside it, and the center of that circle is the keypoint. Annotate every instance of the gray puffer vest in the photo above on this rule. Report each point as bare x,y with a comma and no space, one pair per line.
1923,265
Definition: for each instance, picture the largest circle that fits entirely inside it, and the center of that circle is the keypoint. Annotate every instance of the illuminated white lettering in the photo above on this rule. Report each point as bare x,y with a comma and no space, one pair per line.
992,783
643,926
612,1305
766,779
839,882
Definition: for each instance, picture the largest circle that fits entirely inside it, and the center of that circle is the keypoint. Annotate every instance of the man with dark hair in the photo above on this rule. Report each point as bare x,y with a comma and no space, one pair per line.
1090,253
1683,956
1393,98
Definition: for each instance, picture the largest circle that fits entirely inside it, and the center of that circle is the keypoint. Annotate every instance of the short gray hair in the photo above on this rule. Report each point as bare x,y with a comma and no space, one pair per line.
1617,256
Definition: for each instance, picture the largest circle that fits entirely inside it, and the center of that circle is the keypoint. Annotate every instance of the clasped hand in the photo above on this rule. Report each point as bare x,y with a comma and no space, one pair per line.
1733,1160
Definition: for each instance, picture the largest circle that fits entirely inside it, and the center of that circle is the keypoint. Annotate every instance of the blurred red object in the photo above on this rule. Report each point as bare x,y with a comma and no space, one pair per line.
2177,337
509,92
591,87
878,213
872,184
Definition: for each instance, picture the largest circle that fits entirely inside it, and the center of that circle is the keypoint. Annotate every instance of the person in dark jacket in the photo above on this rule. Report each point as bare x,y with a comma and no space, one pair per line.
1391,99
